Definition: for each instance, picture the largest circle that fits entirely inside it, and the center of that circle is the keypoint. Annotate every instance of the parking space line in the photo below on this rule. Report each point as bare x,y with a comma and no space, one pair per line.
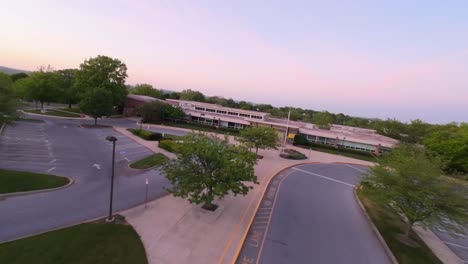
51,169
325,177
363,171
455,245
450,233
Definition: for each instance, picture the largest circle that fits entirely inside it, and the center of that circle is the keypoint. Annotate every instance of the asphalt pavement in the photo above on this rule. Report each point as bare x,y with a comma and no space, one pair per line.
61,147
309,215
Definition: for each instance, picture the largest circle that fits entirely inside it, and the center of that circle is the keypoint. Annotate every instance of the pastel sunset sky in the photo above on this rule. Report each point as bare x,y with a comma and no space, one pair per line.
388,59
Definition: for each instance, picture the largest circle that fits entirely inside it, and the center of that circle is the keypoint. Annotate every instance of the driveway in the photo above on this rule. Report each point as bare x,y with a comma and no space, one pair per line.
60,147
309,215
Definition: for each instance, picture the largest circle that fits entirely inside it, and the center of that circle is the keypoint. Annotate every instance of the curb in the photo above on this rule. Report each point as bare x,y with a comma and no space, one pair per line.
376,231
120,212
60,117
252,218
436,245
2,128
7,195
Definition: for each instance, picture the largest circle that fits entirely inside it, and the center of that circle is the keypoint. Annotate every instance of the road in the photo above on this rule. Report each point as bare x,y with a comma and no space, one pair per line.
309,215
60,147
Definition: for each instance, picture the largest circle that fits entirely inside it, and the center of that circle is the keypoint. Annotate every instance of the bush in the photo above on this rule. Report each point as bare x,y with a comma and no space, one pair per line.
292,154
154,136
147,135
169,145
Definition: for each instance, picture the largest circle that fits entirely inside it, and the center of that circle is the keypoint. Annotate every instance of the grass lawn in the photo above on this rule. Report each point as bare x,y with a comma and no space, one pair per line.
155,160
19,181
93,243
73,110
29,119
53,113
391,224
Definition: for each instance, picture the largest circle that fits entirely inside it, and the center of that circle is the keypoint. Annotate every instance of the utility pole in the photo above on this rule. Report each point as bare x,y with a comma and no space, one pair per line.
113,140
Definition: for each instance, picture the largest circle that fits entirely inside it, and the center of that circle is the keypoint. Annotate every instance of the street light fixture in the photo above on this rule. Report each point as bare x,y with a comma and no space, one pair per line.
113,140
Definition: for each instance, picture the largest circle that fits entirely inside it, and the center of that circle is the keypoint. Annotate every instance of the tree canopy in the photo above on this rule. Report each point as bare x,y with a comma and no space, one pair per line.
148,90
19,75
450,143
207,167
259,137
42,85
323,119
8,100
158,111
191,95
411,182
103,72
67,80
97,103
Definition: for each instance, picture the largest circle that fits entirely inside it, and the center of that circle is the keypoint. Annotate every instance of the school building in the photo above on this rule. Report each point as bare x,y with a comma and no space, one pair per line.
225,117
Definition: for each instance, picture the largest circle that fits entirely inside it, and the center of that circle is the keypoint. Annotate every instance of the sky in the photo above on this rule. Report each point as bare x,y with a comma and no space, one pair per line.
385,59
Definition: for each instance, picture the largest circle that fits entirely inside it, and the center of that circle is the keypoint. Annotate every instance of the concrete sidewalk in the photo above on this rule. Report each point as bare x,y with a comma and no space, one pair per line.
174,231
152,145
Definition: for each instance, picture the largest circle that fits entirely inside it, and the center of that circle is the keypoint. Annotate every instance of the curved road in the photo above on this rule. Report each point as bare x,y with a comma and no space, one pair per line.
60,147
309,215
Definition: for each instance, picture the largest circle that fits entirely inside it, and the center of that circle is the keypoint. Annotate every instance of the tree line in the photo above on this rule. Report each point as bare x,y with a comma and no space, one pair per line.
99,87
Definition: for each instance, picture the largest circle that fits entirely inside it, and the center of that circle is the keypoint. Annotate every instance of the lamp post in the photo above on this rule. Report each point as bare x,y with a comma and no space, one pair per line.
113,140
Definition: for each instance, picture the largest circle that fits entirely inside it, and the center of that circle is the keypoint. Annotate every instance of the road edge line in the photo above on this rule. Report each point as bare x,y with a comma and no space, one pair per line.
7,195
374,228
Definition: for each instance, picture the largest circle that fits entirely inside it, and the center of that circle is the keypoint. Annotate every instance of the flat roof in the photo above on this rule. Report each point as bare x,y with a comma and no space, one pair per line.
144,98
352,134
218,117
219,107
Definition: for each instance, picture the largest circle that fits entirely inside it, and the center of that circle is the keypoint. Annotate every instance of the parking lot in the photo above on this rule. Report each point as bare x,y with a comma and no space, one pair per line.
61,147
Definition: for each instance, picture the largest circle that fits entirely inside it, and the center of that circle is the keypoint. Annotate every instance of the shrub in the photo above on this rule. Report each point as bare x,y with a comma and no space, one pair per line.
154,136
147,135
292,154
169,145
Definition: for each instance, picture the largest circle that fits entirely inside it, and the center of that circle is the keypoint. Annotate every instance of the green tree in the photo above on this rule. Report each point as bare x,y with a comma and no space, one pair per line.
8,100
450,143
97,103
411,183
19,75
259,137
173,112
323,119
148,90
152,112
104,72
191,95
42,86
207,167
67,80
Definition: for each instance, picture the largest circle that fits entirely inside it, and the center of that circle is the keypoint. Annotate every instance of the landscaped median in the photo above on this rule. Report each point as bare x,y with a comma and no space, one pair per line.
152,161
390,225
93,243
20,181
53,112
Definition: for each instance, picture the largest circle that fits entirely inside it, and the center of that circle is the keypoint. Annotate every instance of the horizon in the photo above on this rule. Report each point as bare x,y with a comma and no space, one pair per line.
387,60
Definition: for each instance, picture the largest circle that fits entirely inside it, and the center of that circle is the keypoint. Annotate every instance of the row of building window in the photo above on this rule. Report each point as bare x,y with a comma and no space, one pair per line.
341,143
216,123
228,113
